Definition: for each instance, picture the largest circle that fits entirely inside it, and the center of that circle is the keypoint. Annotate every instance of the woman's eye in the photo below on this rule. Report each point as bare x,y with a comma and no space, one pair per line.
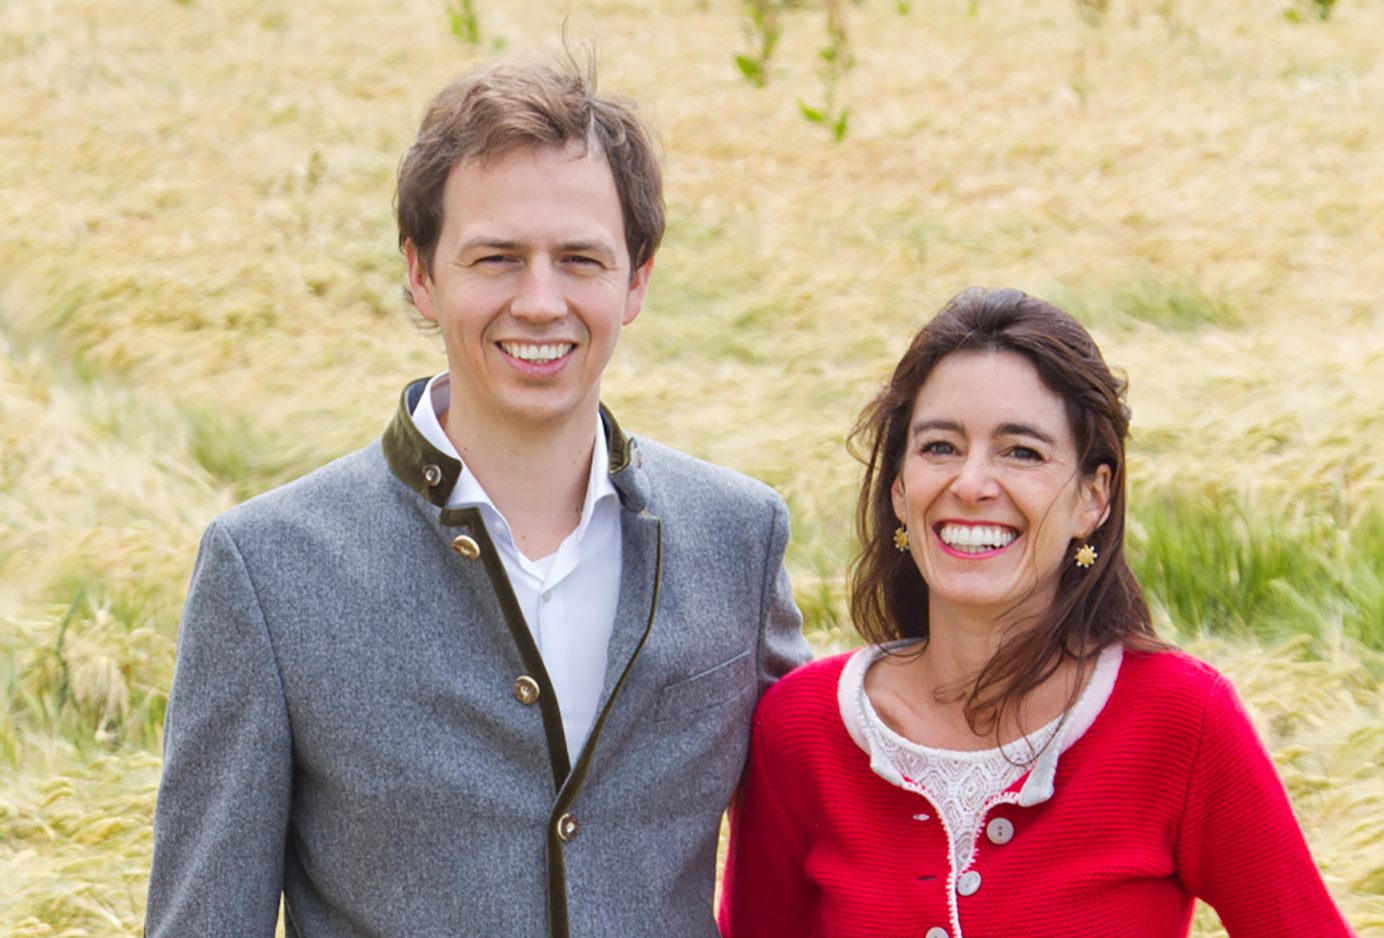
937,448
1026,453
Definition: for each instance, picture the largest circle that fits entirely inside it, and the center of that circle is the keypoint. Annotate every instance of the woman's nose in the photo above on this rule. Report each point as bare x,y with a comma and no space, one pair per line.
975,481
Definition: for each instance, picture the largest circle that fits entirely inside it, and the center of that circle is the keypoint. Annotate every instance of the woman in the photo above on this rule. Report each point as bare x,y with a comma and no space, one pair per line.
1016,754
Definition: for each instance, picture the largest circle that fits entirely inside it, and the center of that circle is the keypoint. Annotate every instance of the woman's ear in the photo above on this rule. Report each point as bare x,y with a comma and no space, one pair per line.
1095,496
900,505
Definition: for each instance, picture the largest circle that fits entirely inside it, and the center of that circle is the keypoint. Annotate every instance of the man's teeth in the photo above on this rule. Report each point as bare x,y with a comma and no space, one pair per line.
536,353
976,538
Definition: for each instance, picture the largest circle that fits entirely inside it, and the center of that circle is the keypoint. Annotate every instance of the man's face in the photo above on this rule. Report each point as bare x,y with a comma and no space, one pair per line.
530,285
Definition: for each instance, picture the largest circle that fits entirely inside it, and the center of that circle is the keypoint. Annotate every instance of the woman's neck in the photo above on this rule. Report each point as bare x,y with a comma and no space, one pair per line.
922,696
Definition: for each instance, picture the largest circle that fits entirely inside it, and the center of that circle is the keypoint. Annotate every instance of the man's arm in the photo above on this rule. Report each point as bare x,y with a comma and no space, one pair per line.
781,644
223,805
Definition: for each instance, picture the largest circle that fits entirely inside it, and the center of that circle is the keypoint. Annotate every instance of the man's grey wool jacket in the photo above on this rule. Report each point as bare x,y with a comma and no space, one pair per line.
353,720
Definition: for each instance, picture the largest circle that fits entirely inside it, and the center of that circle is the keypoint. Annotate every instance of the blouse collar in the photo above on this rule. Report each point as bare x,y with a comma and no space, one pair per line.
1038,785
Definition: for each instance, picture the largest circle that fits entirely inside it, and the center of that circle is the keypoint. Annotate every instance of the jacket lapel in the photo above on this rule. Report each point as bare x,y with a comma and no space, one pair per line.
639,582
431,474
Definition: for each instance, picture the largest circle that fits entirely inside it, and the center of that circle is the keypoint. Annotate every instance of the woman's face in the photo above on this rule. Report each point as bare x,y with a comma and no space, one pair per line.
990,489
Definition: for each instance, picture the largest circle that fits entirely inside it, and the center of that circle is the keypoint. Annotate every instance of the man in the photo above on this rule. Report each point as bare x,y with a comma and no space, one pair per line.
493,674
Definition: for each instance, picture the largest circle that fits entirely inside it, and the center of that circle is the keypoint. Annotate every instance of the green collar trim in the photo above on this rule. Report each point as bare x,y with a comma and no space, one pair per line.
432,473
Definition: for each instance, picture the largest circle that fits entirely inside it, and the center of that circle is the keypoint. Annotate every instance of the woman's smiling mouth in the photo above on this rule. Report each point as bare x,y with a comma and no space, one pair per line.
974,539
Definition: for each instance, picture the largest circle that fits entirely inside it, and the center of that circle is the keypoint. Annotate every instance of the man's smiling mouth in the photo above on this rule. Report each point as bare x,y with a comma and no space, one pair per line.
537,353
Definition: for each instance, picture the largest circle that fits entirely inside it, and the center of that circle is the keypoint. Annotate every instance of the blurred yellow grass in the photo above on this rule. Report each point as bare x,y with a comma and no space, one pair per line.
199,298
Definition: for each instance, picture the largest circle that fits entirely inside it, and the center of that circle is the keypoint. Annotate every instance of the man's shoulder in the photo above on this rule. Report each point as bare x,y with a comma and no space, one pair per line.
686,477
344,486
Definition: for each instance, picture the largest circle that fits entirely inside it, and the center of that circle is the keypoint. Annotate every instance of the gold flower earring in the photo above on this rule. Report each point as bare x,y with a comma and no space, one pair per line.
901,537
1086,556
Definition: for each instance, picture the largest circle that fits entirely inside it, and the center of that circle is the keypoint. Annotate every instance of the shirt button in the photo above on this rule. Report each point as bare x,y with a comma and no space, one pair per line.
547,595
566,827
968,883
466,546
432,475
1000,830
525,689
936,933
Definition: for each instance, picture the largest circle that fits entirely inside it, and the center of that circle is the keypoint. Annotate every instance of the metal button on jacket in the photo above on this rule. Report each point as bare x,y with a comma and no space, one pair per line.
936,933
566,827
1000,830
525,689
432,476
968,883
466,545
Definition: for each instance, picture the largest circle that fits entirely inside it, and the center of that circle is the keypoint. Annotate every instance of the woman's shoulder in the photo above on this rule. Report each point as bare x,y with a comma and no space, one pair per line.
798,721
1164,707
808,681
1169,665
809,689
1167,681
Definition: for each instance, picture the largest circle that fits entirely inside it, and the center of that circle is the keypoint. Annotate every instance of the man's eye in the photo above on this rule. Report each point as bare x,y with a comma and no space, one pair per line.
582,260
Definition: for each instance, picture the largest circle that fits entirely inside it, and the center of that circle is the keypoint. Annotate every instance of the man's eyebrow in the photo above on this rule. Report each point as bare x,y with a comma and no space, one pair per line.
498,244
1023,429
565,247
586,247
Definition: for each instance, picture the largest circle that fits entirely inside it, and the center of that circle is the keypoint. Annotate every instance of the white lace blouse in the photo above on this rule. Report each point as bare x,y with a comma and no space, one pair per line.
962,783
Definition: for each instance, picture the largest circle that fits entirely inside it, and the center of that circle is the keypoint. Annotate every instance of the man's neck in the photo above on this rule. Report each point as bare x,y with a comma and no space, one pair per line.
536,478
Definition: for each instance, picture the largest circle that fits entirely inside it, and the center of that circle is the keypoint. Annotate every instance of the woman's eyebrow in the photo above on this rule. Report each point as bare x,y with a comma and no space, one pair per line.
922,426
1023,429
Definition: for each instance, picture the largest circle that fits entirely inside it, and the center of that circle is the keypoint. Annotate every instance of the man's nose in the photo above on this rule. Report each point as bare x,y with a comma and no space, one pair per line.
540,296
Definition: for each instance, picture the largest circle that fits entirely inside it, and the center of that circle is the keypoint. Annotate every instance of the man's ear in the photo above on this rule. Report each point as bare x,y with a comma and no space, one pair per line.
639,286
1095,496
419,282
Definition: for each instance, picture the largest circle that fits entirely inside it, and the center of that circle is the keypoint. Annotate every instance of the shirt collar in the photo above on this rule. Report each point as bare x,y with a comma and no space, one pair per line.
432,474
467,490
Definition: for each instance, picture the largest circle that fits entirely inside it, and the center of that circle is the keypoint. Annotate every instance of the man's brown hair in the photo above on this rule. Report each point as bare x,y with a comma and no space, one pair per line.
491,110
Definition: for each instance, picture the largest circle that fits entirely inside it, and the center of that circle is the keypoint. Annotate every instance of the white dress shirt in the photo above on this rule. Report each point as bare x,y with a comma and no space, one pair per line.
568,597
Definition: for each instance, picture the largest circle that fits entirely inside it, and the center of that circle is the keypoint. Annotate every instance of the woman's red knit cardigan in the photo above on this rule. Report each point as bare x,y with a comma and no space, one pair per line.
1169,796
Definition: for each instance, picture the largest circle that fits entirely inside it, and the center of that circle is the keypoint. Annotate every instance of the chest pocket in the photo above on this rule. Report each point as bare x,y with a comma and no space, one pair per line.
718,685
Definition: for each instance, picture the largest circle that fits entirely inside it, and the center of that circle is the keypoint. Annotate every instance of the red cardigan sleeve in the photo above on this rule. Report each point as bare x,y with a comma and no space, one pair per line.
1240,849
765,890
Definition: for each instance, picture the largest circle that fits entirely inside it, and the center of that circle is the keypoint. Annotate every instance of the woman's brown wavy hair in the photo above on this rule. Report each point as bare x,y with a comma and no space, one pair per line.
1095,607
